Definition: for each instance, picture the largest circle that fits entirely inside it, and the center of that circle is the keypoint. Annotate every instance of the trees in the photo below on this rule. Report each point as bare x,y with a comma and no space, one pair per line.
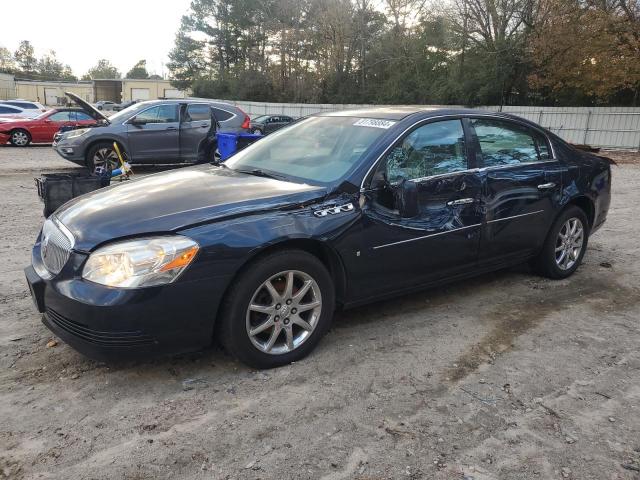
587,49
49,67
471,52
7,63
139,70
25,57
102,70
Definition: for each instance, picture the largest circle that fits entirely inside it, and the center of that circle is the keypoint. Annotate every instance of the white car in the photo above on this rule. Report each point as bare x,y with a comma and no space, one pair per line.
8,111
22,108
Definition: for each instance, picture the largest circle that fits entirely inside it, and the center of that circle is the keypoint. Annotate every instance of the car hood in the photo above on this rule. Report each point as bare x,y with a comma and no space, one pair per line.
174,200
87,107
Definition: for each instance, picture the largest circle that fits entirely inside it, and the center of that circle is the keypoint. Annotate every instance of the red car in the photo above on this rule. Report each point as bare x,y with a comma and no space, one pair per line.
21,132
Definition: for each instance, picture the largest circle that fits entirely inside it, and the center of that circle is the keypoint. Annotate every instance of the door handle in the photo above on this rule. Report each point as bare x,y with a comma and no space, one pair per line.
461,201
172,128
546,186
204,125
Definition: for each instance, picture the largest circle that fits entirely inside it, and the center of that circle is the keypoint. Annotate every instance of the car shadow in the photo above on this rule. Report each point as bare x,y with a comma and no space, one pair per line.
353,318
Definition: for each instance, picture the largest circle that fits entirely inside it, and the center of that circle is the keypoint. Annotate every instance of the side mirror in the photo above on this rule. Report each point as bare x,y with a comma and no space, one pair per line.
406,194
137,121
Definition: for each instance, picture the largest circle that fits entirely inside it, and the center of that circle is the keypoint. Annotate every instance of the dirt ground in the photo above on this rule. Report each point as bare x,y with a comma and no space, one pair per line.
507,376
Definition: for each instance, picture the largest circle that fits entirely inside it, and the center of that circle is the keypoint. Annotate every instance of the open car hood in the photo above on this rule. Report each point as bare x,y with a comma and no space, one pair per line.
87,107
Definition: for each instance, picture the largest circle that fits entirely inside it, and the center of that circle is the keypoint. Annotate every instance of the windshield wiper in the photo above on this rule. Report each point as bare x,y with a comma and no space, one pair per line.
260,173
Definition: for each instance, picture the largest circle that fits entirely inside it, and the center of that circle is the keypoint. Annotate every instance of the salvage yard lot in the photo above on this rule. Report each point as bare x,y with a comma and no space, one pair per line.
506,376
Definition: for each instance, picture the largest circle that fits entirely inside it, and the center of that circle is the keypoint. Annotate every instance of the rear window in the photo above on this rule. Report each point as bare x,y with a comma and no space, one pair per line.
198,111
222,115
25,105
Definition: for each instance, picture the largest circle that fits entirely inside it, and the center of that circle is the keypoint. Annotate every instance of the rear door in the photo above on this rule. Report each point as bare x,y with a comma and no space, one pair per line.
522,184
273,123
194,129
158,139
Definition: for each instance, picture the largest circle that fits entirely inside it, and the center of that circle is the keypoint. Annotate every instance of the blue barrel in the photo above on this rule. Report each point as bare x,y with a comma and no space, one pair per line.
227,144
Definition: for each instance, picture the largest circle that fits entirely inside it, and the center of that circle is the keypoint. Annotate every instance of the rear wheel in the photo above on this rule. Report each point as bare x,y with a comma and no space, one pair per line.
20,138
103,157
257,131
565,245
277,310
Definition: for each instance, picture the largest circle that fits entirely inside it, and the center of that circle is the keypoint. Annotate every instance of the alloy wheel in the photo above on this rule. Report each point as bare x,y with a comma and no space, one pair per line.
569,243
283,312
19,138
105,159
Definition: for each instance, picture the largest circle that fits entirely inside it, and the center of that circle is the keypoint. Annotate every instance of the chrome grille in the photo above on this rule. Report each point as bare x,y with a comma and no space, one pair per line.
55,246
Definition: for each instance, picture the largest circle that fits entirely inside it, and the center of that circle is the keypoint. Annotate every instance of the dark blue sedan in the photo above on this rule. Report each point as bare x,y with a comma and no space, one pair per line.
333,211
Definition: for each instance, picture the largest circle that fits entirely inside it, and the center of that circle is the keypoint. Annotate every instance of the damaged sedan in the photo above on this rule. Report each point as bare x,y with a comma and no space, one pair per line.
333,211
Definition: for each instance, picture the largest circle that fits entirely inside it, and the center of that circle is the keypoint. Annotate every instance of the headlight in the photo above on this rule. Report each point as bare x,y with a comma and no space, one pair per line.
77,133
140,263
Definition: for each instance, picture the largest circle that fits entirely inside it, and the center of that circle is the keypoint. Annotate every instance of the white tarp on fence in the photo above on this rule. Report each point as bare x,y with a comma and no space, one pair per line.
606,127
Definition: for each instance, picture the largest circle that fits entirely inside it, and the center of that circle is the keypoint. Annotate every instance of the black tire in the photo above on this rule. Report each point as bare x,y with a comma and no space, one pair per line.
546,263
232,323
97,150
20,138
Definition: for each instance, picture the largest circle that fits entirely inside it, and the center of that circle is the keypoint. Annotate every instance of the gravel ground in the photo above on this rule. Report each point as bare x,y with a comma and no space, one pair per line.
507,376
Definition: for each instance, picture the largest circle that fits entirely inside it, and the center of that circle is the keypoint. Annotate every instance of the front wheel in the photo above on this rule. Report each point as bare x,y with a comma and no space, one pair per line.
102,157
565,245
20,138
277,310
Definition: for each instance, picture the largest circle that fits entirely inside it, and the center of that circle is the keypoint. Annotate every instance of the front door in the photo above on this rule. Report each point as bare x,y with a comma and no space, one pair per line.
442,239
194,130
522,183
157,140
44,130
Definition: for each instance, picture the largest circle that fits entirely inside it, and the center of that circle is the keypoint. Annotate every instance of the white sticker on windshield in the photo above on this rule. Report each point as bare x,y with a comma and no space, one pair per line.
374,122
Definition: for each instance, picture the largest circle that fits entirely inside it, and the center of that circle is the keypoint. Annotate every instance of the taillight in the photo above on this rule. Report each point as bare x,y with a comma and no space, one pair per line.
245,123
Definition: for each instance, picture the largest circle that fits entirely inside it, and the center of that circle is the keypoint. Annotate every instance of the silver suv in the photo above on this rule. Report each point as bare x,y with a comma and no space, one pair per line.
153,132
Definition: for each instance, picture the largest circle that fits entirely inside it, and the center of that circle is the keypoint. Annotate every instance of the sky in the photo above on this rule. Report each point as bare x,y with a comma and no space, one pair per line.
83,31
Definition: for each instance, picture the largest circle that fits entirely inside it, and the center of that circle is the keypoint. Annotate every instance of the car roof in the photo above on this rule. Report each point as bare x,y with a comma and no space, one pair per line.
67,109
400,112
186,100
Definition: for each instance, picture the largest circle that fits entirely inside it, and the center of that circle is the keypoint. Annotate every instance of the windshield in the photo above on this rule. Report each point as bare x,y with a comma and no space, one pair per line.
315,150
127,112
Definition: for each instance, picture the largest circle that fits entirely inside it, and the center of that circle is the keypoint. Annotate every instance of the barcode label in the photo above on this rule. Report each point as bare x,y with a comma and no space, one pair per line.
374,122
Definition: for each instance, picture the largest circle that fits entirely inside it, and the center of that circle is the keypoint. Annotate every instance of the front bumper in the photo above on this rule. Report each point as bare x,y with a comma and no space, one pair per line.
69,151
110,324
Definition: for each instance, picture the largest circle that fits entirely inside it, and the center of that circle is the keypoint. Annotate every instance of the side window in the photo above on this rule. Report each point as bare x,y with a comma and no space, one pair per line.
505,143
160,114
198,112
432,149
61,117
26,106
7,110
221,115
81,116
